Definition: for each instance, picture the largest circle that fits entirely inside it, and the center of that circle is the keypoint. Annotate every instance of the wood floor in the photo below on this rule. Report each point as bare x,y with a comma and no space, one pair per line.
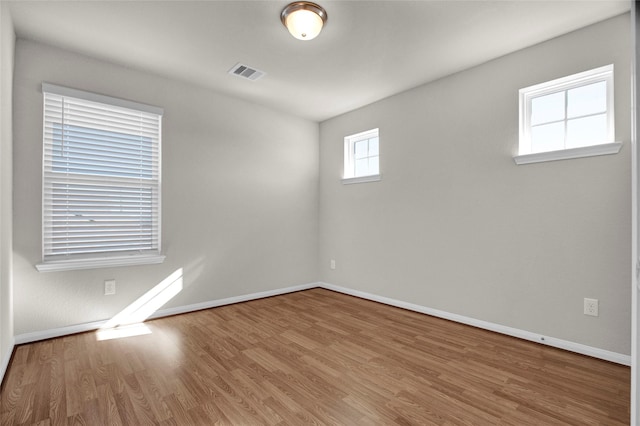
312,357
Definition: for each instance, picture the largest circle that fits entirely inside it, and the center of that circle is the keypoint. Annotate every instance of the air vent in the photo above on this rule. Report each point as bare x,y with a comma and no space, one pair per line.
247,72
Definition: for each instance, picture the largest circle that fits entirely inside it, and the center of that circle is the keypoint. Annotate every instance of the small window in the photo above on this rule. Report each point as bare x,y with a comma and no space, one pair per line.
101,181
569,116
362,157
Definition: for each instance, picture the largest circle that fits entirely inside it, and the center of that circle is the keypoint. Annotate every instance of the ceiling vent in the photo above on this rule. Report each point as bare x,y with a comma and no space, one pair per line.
247,72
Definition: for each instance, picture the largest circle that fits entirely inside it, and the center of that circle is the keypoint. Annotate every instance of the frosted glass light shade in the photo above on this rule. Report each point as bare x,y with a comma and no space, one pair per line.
304,20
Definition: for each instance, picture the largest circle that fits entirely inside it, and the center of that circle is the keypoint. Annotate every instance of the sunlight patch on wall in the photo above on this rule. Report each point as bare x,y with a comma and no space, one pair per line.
129,322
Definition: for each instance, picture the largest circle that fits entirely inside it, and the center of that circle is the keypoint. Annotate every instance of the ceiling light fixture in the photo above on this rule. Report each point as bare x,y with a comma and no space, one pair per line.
303,19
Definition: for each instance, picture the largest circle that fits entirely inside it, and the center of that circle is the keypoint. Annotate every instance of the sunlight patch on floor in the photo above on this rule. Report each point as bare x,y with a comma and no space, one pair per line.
124,331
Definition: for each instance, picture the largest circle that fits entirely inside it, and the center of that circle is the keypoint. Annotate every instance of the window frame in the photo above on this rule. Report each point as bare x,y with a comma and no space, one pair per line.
348,176
100,259
563,85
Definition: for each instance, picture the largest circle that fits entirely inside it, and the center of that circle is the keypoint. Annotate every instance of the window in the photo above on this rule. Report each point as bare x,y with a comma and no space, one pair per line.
568,117
101,181
362,157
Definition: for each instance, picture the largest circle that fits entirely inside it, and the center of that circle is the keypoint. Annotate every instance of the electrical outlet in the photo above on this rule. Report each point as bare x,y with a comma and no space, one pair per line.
333,264
109,287
591,307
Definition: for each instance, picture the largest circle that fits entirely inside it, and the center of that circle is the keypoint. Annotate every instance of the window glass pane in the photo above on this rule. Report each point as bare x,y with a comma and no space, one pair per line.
586,100
374,168
587,131
360,149
373,146
362,167
545,109
87,151
361,154
547,137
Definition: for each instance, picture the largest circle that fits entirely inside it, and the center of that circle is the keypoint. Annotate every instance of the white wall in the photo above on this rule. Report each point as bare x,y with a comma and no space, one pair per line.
239,195
456,226
7,43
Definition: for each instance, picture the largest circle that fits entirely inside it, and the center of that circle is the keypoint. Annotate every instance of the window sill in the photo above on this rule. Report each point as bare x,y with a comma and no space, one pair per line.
567,154
103,262
361,179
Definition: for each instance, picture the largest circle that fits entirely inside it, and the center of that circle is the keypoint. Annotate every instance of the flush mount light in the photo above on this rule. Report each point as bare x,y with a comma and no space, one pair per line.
304,19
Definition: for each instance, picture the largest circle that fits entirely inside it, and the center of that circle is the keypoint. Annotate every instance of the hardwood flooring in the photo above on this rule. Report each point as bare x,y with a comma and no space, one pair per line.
312,357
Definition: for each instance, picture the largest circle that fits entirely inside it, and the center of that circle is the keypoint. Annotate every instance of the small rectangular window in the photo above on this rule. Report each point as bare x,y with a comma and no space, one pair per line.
571,114
362,157
101,181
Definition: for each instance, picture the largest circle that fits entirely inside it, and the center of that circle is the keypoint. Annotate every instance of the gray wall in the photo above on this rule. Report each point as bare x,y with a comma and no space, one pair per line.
239,194
7,43
455,225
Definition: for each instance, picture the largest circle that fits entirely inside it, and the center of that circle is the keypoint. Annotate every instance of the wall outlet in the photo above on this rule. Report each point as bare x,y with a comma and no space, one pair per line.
333,264
591,307
109,287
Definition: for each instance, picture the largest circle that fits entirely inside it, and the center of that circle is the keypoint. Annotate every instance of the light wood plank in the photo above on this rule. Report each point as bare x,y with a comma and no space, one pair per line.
315,357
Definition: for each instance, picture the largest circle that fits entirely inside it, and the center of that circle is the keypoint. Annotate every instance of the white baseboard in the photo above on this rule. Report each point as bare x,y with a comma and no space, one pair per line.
498,328
230,300
58,332
4,361
95,325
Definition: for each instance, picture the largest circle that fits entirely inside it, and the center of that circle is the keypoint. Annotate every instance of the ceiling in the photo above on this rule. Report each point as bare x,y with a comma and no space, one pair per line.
367,51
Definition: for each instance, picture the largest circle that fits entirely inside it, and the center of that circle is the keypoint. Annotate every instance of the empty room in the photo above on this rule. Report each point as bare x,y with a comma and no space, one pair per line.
338,212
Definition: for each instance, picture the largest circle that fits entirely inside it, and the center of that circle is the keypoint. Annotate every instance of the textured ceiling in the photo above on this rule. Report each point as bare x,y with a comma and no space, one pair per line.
367,51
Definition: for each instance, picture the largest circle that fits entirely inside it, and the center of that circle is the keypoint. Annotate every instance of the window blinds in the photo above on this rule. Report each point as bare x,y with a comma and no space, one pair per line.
101,176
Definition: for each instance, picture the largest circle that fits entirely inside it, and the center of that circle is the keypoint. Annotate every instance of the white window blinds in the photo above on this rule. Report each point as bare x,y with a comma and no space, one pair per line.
101,176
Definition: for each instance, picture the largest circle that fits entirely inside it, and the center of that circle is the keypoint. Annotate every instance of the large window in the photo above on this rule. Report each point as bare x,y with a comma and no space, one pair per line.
568,115
362,157
101,181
